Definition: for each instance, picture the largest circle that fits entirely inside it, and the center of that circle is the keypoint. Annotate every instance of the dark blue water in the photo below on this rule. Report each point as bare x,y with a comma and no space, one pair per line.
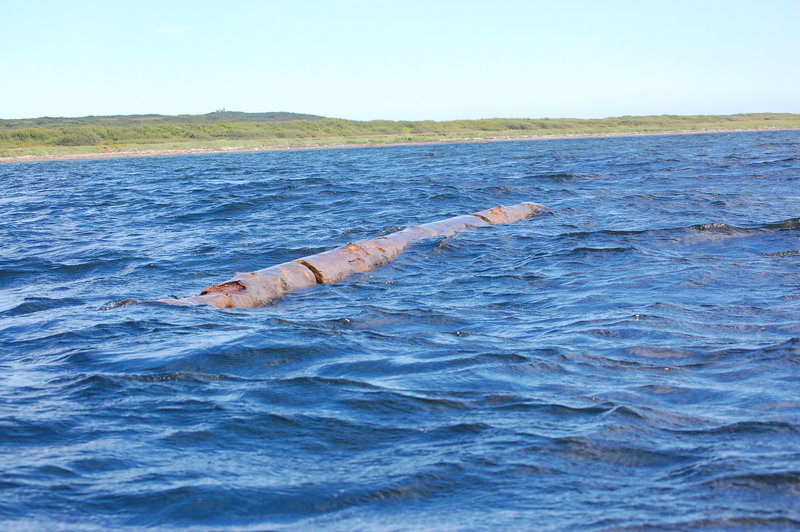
630,361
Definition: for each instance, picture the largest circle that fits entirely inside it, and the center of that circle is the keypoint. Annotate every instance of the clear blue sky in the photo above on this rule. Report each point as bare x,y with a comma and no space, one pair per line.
400,59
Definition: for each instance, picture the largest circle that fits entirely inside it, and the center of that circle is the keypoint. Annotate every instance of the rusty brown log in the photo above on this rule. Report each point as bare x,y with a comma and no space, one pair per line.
264,286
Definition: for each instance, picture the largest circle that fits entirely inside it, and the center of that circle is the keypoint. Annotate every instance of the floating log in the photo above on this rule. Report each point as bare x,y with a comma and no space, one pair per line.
264,286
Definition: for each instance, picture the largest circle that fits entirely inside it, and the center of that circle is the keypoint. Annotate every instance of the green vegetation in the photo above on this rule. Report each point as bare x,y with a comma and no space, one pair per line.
154,120
58,136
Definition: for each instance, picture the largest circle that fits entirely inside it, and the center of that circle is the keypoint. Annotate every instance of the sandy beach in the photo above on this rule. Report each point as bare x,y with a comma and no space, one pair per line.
287,147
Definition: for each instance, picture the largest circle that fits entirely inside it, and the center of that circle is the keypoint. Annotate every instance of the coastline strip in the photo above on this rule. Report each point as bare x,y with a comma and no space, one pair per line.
341,145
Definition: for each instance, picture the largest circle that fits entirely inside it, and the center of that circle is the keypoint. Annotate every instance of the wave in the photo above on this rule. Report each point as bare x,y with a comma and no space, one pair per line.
736,523
787,351
560,177
791,224
583,250
31,305
32,269
744,428
789,253
756,481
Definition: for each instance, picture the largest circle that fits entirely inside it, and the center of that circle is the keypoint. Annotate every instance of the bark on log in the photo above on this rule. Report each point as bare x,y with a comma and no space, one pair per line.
264,286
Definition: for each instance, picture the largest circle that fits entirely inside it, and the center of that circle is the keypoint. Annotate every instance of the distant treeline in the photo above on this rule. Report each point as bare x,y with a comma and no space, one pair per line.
276,127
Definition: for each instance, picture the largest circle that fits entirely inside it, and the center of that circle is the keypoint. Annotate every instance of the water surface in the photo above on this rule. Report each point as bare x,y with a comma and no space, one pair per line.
628,361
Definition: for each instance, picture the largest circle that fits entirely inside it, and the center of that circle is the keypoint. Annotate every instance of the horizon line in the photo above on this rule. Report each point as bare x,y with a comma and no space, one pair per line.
226,111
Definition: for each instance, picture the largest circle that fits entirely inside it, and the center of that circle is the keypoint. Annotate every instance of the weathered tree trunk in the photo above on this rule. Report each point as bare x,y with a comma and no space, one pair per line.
263,286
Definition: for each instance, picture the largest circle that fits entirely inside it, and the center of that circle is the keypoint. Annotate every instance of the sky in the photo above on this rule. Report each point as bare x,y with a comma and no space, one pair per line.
400,59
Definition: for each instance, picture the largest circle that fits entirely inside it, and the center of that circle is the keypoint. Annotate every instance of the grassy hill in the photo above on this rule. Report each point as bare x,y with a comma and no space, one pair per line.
108,134
153,120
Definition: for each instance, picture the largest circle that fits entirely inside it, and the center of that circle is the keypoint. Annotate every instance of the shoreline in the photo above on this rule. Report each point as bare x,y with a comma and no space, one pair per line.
122,154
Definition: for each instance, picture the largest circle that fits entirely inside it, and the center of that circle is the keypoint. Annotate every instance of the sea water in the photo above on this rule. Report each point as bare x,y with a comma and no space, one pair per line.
630,360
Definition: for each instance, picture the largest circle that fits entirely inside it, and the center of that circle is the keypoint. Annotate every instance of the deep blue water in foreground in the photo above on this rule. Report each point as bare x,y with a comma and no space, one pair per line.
630,361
